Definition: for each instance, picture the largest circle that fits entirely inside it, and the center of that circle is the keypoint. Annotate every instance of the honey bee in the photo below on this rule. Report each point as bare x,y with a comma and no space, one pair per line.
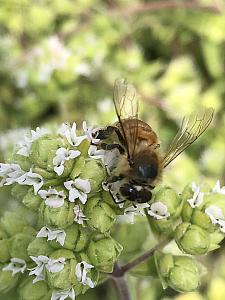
141,163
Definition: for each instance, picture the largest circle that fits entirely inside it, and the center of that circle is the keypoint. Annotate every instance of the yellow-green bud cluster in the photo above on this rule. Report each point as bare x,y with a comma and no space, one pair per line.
64,241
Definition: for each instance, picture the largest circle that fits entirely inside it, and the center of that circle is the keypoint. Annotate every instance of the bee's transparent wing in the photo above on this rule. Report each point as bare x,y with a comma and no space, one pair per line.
126,105
191,129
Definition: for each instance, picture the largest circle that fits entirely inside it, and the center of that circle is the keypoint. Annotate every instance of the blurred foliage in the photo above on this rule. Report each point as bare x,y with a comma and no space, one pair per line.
59,60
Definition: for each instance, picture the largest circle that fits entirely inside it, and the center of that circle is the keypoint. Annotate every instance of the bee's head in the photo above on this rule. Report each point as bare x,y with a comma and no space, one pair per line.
145,167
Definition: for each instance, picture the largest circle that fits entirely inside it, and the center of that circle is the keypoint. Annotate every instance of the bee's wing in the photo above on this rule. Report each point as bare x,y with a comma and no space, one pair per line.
191,129
126,105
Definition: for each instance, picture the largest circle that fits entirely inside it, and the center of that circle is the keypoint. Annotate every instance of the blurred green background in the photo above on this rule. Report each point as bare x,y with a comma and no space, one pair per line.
59,60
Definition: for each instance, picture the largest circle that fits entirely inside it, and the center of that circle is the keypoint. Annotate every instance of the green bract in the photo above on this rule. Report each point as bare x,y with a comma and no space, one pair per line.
181,273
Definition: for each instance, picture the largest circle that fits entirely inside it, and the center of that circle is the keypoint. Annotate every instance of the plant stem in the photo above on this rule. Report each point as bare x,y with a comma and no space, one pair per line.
169,4
121,285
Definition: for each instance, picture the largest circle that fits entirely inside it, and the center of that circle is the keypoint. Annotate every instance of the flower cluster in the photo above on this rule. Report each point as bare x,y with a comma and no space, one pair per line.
60,252
64,239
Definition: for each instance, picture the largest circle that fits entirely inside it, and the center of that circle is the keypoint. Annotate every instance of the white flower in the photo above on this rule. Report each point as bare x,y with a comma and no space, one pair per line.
78,188
16,265
59,235
158,210
52,197
215,213
89,132
131,211
62,155
79,216
221,223
197,198
26,143
55,265
70,134
96,153
10,173
41,261
218,189
30,178
82,269
62,295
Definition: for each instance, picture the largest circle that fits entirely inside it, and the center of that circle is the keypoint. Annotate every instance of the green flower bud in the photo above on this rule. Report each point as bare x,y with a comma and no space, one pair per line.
65,277
33,291
76,239
94,171
5,250
12,223
59,217
131,237
21,160
100,216
103,252
173,202
182,273
19,191
168,198
7,281
192,239
78,166
39,246
20,242
43,151
31,200
3,234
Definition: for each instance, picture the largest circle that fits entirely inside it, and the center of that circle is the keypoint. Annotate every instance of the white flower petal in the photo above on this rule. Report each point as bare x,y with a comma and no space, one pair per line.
96,153
215,213
82,185
218,189
16,265
158,210
221,223
79,216
89,132
30,178
82,269
56,265
62,295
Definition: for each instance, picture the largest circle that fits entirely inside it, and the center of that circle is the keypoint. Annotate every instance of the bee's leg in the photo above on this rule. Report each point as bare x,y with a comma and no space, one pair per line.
112,146
115,178
103,134
151,187
115,200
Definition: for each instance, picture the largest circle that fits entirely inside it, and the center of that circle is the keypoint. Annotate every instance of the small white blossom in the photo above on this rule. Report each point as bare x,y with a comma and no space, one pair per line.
96,153
78,188
59,234
63,155
62,295
41,261
158,210
197,198
218,189
215,213
70,134
82,269
131,211
10,173
221,223
26,143
10,137
55,265
30,178
16,265
52,197
89,132
79,215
